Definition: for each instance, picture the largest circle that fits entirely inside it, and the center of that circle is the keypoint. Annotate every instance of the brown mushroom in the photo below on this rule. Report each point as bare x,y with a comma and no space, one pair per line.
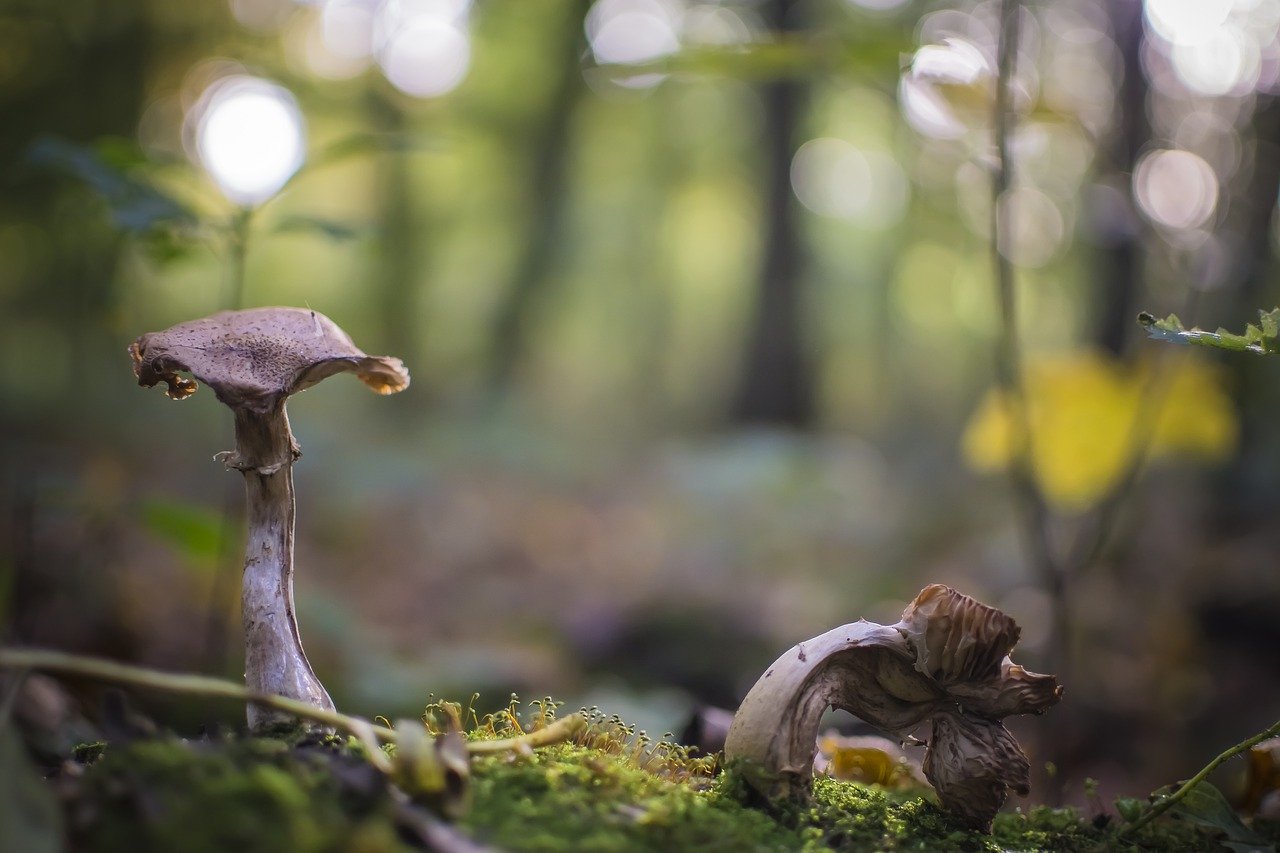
946,661
254,360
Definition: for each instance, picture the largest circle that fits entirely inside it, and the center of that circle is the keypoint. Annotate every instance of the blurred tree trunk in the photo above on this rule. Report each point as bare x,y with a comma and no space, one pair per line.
776,385
77,71
550,144
1257,260
402,239
49,92
1119,267
1249,489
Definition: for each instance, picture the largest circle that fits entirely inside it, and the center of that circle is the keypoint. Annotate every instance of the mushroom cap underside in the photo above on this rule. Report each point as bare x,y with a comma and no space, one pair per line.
256,358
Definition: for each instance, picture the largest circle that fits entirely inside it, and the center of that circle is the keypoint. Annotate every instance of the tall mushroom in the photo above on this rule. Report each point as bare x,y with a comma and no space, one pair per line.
254,360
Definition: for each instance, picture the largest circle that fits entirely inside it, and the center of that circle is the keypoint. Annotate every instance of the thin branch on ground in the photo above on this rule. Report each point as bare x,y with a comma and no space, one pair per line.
61,663
1167,802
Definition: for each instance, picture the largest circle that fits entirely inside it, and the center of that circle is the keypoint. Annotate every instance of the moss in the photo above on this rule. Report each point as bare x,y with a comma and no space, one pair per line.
245,795
575,798
571,798
87,753
604,794
1044,828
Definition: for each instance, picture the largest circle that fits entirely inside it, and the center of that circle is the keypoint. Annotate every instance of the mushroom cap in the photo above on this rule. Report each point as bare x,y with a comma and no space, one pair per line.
255,359
946,661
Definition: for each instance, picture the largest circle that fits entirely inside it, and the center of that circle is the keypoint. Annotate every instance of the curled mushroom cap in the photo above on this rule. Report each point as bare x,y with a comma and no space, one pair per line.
946,662
254,359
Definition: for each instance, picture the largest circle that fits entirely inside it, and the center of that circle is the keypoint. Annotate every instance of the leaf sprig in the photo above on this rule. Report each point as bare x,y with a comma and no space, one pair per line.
1263,339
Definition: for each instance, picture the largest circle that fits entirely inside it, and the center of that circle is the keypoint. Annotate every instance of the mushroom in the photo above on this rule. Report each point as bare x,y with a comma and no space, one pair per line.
254,360
946,661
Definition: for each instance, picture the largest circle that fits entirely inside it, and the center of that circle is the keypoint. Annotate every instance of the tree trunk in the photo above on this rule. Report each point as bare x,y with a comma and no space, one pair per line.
548,202
776,385
1119,260
401,235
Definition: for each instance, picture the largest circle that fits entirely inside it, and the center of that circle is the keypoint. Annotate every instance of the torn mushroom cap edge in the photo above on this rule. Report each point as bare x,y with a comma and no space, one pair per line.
204,348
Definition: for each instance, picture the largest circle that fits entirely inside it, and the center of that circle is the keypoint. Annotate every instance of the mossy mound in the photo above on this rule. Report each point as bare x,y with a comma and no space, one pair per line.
235,795
249,795
571,798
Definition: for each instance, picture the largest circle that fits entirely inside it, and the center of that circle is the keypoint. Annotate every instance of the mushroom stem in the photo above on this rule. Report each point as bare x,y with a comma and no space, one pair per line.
274,661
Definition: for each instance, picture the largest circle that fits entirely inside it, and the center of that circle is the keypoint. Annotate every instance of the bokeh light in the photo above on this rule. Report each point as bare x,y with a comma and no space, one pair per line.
426,57
1226,60
1186,21
878,5
1175,189
250,137
942,77
262,16
1035,228
335,42
834,178
716,25
633,32
347,28
955,61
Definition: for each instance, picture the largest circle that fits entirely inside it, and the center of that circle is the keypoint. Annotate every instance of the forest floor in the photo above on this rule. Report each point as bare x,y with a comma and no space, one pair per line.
606,791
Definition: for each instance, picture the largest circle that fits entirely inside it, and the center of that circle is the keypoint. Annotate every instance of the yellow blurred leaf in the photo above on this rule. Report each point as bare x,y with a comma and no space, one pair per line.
1082,410
862,765
867,758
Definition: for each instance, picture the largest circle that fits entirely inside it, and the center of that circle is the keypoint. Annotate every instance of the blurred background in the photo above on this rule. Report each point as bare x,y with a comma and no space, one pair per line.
698,298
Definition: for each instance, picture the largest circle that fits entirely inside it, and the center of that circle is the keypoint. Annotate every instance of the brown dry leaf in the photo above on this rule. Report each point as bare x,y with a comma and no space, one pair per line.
1263,781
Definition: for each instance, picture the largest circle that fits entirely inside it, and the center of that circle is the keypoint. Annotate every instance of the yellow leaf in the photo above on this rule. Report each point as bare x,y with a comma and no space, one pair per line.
1082,410
861,765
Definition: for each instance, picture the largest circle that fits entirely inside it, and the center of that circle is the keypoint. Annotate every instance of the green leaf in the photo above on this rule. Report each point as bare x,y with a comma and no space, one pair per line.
194,531
165,245
360,144
1263,339
1204,805
327,228
1130,809
30,819
373,143
135,205
874,53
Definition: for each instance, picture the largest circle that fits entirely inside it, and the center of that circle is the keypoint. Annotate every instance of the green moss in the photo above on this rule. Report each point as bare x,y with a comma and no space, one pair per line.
571,798
87,753
247,795
611,792
1043,828
574,798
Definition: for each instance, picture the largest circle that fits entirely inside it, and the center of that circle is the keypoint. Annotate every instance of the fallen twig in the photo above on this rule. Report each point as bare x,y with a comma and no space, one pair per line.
1167,802
62,663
